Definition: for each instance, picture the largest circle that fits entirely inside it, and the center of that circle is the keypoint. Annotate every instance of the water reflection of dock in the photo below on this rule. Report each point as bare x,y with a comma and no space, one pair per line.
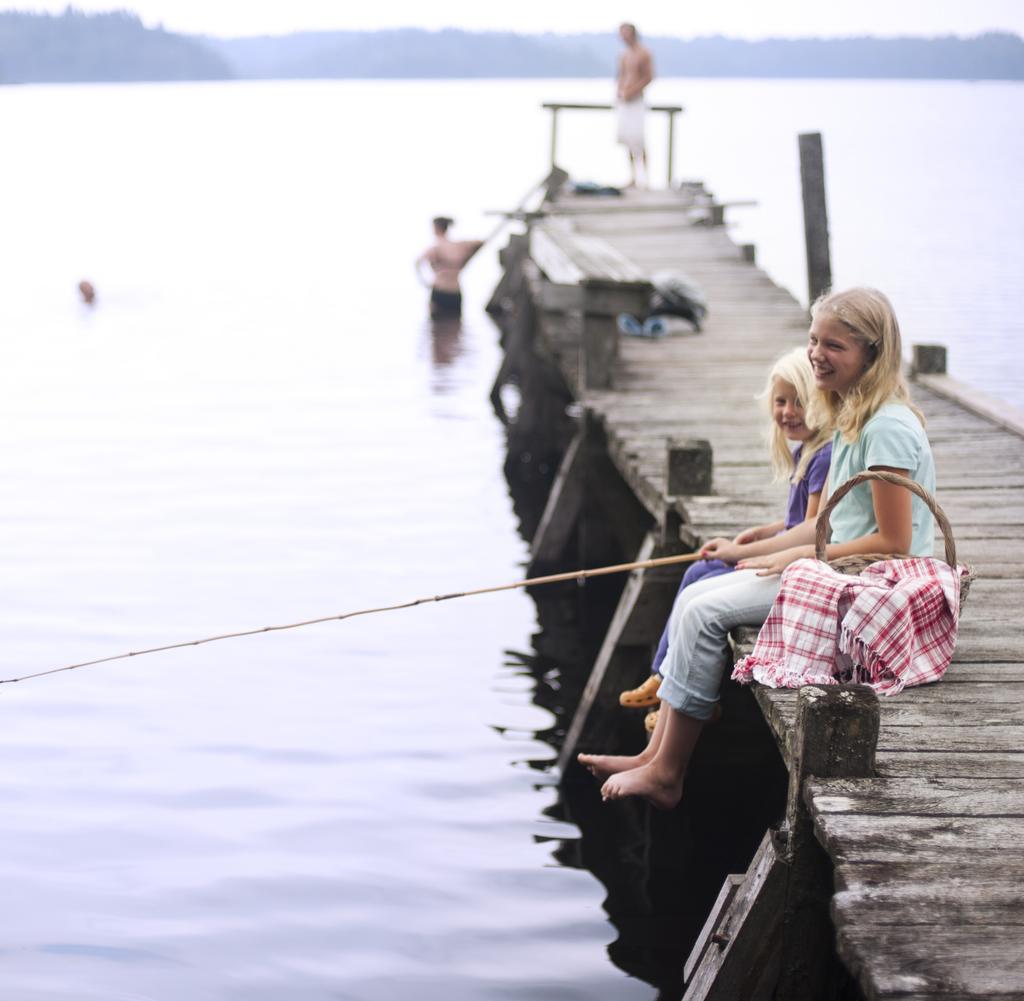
651,446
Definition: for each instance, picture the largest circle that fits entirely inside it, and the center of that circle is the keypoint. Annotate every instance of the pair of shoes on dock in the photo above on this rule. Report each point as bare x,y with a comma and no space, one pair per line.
631,326
656,326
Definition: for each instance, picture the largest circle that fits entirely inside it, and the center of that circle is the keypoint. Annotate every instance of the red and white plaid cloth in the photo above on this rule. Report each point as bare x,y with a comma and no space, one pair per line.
890,626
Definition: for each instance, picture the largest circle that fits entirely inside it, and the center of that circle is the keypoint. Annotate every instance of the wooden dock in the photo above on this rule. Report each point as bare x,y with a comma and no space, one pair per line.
924,842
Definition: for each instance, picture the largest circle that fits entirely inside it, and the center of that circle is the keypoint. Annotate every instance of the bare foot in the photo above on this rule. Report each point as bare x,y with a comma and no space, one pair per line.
603,765
660,790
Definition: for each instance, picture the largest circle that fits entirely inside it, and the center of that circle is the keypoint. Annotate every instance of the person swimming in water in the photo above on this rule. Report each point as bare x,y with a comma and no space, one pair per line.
445,259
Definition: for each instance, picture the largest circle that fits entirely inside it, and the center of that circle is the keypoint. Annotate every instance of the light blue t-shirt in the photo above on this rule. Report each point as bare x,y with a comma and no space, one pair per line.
893,436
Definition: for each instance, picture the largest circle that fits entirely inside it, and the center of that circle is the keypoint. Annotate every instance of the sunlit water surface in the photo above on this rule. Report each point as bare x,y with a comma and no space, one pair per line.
255,425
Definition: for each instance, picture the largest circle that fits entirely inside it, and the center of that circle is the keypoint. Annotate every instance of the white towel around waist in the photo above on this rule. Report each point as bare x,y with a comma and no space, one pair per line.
630,123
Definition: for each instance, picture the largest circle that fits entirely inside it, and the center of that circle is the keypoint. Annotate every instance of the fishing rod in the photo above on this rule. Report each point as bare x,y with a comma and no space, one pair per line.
577,575
549,184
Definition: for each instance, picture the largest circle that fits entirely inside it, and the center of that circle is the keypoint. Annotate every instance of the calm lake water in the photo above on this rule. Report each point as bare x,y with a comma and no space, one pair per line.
256,425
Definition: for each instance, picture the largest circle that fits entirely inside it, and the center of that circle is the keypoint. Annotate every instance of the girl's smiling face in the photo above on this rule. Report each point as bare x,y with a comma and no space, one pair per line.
788,411
838,357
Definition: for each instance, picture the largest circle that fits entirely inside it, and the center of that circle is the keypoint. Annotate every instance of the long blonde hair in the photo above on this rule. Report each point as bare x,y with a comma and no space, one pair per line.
794,368
868,315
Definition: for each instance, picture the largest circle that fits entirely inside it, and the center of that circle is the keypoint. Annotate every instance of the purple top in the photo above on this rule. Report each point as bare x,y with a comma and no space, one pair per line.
813,482
796,510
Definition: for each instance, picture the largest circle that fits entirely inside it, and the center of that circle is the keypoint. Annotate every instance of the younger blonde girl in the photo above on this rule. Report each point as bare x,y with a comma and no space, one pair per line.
789,386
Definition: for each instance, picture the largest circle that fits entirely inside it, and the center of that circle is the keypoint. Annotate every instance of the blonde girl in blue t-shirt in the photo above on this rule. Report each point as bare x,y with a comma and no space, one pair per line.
855,351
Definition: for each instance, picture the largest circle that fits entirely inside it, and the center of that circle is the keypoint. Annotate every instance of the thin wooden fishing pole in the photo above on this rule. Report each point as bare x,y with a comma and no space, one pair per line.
532,582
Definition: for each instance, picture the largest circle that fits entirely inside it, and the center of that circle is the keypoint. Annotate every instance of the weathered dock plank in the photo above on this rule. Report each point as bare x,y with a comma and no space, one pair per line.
961,909
986,765
913,796
875,838
918,880
941,962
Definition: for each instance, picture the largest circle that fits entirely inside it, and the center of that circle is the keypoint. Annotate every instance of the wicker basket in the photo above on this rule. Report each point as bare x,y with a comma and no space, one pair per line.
854,564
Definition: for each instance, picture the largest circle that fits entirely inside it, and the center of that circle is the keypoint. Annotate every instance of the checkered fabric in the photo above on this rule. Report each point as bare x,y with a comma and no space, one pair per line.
890,626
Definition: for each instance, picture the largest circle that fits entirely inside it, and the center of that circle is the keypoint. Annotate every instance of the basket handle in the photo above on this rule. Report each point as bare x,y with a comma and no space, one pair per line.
822,525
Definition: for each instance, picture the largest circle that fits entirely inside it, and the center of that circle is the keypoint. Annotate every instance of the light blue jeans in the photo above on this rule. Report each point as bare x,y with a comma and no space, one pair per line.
698,645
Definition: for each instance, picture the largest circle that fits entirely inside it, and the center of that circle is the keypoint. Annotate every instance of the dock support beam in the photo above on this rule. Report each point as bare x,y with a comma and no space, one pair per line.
812,183
509,285
736,955
588,502
599,345
835,737
562,509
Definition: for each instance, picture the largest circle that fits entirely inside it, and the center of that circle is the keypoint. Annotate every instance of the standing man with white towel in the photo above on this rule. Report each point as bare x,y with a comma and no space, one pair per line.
636,71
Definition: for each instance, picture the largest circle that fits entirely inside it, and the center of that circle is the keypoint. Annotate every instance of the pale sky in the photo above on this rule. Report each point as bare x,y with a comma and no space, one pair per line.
743,18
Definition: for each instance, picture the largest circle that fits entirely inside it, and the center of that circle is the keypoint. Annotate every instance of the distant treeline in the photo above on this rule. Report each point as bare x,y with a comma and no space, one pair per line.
74,46
411,52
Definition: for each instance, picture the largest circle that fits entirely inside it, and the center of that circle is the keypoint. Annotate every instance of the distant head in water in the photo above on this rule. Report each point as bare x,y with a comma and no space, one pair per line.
88,292
441,224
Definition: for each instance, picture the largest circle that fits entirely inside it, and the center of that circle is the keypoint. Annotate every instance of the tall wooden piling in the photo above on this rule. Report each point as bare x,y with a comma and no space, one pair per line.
812,185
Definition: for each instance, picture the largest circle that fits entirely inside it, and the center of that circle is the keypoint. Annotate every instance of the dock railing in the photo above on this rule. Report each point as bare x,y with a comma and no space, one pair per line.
670,110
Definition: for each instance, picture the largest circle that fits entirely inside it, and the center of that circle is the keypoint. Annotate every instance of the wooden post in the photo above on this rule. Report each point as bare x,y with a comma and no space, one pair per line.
812,182
554,137
553,183
928,359
671,146
599,349
599,346
671,522
515,251
688,466
749,252
511,258
835,736
717,217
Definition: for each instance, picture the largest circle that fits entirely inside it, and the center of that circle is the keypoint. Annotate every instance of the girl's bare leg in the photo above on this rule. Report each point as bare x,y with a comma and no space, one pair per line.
660,780
603,765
